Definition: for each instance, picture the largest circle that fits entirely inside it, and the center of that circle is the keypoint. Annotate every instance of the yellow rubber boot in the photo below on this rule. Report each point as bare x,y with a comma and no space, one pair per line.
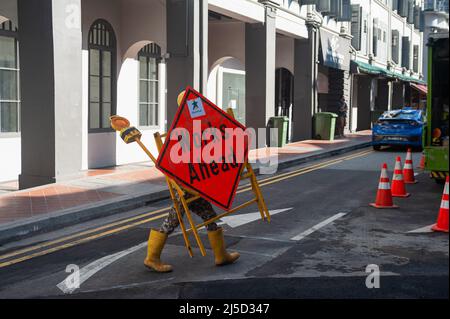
156,242
222,257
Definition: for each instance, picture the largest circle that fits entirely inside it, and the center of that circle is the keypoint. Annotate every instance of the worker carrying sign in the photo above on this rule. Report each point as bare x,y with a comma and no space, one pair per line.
189,156
203,158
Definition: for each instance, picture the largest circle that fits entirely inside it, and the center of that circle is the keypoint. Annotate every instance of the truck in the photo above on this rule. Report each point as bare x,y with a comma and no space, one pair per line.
436,132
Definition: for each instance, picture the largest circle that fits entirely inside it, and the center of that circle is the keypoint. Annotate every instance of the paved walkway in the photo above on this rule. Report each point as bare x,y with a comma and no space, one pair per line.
113,185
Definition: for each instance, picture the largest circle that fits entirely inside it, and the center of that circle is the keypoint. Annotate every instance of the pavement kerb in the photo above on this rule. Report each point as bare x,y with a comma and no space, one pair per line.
49,222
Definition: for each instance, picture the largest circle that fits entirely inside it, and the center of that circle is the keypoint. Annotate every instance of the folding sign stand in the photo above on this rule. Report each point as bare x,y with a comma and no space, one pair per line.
182,197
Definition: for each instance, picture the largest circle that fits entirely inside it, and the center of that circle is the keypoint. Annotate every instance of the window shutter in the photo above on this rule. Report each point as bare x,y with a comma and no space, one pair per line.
422,21
323,6
417,17
356,27
405,52
410,12
403,8
346,11
395,5
335,8
375,37
395,45
416,58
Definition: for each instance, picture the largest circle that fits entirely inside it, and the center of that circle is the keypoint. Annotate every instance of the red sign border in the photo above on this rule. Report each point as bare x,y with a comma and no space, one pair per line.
165,146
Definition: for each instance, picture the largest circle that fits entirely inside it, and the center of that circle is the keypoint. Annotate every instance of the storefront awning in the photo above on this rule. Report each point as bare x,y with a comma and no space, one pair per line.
362,67
420,87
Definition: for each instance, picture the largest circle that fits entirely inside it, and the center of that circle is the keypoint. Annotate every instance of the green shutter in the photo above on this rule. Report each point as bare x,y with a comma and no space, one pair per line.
356,26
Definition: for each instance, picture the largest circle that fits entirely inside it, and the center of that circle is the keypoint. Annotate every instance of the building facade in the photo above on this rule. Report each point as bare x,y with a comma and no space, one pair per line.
435,20
387,67
67,65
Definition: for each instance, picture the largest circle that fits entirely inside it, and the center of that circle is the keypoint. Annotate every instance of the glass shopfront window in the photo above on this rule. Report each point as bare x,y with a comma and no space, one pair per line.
233,92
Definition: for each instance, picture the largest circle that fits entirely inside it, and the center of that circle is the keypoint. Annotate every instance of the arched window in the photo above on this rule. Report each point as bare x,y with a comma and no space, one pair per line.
102,75
149,57
9,79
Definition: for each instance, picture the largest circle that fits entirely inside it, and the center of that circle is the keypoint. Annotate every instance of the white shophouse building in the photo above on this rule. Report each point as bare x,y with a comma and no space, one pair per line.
67,65
387,67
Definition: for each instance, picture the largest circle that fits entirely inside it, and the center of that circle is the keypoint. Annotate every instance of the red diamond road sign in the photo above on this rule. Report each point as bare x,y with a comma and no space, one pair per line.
201,152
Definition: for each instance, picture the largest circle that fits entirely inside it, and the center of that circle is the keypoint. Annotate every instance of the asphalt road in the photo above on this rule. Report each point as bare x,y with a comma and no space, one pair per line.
320,240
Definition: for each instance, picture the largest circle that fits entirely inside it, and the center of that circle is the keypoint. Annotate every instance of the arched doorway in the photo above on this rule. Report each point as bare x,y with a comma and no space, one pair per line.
226,86
284,96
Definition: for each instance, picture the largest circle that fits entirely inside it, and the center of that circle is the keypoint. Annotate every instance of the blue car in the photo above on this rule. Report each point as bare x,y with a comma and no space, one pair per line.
399,127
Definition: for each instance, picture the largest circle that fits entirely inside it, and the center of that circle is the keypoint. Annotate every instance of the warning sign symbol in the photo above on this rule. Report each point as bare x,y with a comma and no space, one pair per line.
196,108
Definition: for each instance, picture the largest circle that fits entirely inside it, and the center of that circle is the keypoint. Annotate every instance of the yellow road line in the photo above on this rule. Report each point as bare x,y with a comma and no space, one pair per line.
87,232
280,177
263,182
124,221
313,166
290,176
80,241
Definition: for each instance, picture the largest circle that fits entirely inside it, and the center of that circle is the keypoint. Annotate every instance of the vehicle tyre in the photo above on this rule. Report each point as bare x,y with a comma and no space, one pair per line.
376,147
439,181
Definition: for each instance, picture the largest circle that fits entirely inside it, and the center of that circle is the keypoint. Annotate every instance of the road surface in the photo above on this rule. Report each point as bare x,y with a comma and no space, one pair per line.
322,237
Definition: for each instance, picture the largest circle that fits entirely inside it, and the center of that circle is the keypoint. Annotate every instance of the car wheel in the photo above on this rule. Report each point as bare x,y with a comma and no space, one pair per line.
376,147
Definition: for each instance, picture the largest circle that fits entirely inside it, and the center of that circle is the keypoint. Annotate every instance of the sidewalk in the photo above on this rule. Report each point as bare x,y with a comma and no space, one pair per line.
102,192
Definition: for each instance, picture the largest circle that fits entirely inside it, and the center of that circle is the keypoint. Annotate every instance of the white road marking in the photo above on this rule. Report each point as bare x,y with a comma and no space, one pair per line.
426,229
97,265
94,267
317,227
242,219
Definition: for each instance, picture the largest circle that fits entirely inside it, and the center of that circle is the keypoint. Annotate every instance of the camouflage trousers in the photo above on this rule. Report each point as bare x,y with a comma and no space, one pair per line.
200,207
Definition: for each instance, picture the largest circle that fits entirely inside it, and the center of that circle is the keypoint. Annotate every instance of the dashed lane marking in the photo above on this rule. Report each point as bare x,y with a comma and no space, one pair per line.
317,227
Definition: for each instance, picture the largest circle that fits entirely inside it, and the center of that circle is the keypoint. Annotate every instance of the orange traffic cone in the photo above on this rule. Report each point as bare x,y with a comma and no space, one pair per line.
408,171
442,222
422,161
384,195
398,185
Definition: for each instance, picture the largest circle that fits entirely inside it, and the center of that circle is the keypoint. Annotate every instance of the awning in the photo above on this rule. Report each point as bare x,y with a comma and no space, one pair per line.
362,67
420,87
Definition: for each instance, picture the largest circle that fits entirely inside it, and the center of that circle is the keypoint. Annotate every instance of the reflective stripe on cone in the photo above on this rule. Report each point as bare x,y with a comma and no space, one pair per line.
384,195
398,185
408,171
442,222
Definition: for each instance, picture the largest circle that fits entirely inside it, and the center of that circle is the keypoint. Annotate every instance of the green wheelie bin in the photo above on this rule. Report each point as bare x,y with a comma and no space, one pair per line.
324,126
280,124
